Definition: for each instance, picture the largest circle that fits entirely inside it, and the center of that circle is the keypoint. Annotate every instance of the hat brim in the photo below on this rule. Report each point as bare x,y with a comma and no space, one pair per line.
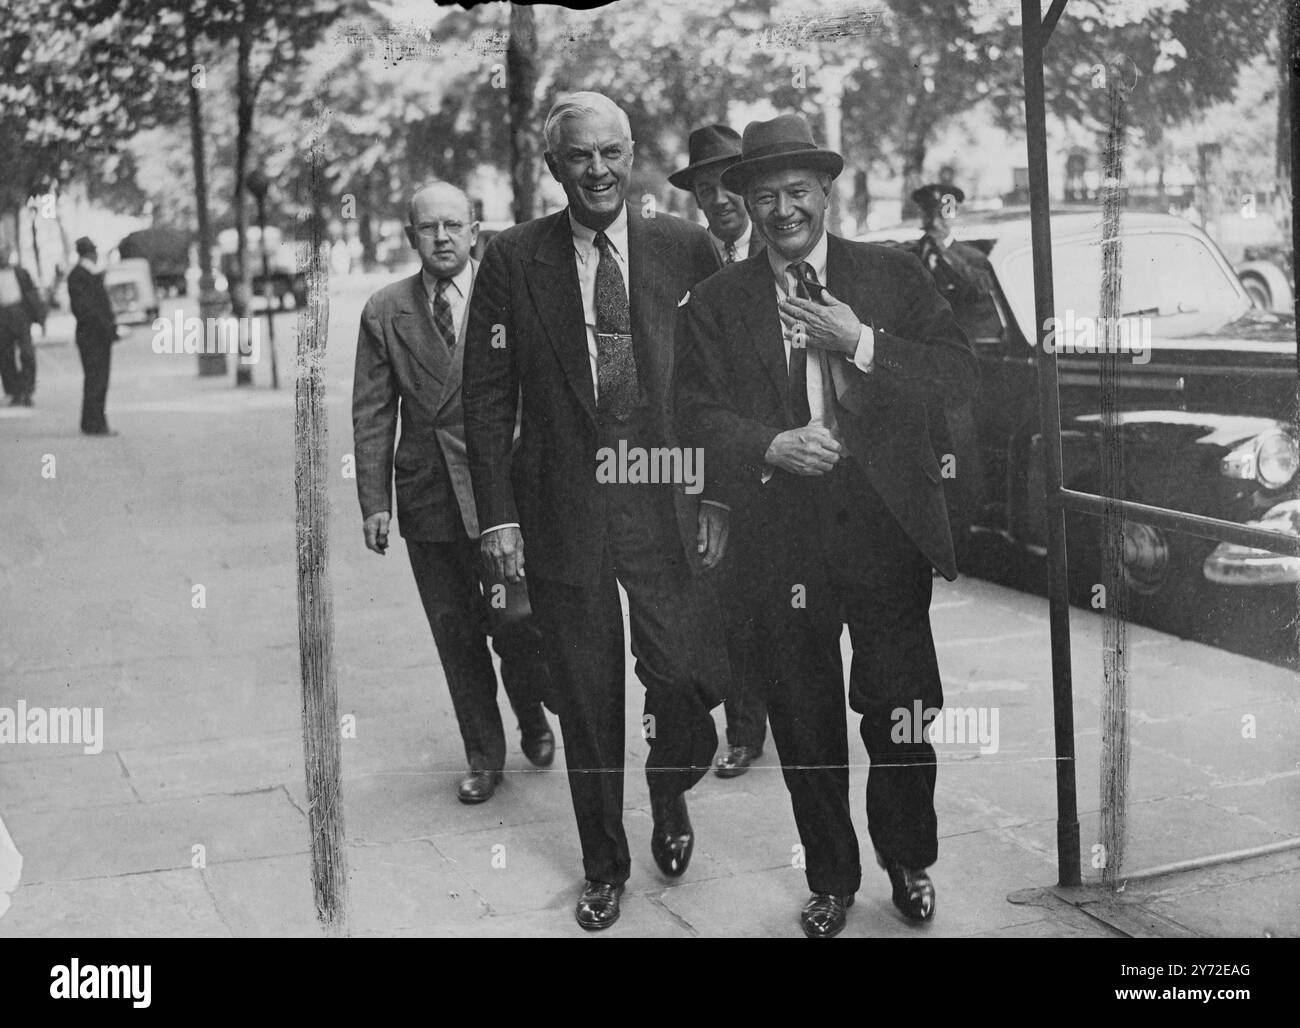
685,179
738,177
924,198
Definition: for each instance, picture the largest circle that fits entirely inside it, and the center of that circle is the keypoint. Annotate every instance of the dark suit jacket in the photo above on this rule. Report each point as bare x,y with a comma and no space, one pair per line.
88,298
527,336
405,371
733,383
31,311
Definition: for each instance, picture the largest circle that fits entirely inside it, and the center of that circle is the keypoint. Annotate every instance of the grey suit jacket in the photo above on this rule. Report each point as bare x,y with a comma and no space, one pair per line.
406,373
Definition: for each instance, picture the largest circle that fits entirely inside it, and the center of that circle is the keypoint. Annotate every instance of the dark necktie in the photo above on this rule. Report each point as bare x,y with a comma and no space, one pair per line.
442,314
730,257
804,277
618,390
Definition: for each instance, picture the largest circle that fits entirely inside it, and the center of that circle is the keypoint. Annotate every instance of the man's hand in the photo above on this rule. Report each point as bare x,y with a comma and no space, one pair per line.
376,529
830,325
715,525
503,551
810,450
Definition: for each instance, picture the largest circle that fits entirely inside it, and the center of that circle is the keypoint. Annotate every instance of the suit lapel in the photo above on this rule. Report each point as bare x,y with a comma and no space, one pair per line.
413,325
651,318
763,323
553,283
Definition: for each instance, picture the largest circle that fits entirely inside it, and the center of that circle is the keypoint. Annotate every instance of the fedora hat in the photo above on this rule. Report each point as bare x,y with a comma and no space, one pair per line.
710,145
930,197
783,142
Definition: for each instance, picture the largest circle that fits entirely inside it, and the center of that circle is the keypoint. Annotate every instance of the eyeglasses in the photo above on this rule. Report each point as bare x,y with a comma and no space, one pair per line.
432,229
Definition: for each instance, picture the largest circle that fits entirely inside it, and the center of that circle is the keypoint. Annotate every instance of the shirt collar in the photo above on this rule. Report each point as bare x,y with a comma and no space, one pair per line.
461,281
584,238
741,244
817,258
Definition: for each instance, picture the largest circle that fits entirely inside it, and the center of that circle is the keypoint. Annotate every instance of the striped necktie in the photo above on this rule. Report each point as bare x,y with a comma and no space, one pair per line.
442,319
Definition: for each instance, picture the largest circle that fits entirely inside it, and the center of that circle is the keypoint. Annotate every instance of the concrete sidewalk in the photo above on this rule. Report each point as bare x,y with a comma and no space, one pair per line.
190,821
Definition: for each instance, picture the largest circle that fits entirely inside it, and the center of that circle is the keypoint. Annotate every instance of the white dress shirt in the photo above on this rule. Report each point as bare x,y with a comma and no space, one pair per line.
457,293
587,258
818,359
741,244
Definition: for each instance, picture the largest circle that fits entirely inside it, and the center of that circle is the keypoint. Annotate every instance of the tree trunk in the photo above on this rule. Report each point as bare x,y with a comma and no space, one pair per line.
521,85
210,303
242,288
365,224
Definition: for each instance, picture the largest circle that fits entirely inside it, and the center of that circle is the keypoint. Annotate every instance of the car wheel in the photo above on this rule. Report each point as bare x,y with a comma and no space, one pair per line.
1164,587
1257,289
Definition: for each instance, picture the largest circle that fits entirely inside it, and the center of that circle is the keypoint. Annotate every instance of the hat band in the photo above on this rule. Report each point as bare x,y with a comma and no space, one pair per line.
775,149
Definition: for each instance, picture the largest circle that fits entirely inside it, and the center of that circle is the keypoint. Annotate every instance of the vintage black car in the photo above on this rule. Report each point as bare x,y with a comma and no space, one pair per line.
1207,402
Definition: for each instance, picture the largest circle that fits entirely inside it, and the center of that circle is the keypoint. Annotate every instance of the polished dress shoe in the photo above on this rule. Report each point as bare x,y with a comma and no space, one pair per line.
823,915
672,840
478,786
539,746
598,905
913,890
735,762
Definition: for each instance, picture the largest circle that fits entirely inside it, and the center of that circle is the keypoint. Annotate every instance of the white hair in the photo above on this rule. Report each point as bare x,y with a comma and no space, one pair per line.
577,105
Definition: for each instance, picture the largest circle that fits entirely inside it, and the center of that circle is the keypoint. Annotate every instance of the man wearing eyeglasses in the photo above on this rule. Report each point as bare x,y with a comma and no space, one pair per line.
408,368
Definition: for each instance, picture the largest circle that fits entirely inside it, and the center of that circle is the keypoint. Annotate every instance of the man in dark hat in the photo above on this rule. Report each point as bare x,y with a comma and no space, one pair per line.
96,334
713,149
809,374
960,270
20,308
964,278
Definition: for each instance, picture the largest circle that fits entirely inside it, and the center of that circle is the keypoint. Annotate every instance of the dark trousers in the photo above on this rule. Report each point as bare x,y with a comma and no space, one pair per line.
837,556
17,355
449,579
95,360
746,703
674,624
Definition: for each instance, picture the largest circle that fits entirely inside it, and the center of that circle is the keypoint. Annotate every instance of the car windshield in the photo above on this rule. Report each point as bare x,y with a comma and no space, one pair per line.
1170,277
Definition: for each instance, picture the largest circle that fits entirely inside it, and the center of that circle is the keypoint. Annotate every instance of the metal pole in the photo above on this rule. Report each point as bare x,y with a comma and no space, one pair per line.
1049,412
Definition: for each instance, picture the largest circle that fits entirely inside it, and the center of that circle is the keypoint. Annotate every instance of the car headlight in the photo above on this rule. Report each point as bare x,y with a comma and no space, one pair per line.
1271,458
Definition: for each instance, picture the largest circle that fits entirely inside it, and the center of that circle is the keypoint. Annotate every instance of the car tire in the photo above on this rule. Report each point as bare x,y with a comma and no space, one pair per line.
1164,586
1257,289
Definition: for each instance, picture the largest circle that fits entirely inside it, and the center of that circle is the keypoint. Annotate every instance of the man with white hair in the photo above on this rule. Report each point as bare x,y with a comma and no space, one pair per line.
572,322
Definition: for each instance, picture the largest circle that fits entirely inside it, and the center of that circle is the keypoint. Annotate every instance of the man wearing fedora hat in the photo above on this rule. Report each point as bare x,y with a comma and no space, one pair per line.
713,149
96,334
808,374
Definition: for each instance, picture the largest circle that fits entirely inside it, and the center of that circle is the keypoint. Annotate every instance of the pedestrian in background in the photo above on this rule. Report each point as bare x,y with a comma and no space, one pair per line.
20,308
96,334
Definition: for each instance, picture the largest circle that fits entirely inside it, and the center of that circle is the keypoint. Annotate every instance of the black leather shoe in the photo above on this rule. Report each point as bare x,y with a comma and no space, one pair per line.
735,762
598,905
478,786
672,840
27,399
539,746
823,915
913,890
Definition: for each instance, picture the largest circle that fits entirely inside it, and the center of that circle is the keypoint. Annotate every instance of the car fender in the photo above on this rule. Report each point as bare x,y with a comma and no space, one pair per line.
1275,278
